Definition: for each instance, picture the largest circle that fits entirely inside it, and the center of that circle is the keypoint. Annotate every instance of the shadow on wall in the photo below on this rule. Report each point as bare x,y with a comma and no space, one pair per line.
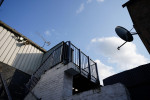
15,80
17,85
7,72
27,62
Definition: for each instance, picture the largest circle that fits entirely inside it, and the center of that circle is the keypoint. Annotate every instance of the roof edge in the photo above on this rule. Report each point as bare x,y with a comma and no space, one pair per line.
128,3
19,34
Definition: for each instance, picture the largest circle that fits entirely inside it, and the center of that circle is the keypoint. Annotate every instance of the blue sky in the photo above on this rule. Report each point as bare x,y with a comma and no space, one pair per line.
89,24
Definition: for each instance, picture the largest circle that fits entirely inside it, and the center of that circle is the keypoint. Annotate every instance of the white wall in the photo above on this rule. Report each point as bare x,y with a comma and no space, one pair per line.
23,57
110,92
56,84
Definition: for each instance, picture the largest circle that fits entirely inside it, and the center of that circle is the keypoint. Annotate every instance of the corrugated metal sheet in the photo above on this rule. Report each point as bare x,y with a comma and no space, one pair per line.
25,57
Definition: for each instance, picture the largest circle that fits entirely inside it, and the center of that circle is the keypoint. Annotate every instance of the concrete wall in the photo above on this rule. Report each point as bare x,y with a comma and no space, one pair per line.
110,92
24,57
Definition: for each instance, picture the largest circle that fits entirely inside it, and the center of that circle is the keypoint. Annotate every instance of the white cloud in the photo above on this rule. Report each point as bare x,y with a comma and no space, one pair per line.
47,32
80,9
99,0
104,70
125,58
89,1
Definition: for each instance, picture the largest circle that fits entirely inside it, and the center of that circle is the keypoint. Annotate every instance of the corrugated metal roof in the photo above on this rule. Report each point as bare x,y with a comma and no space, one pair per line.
19,34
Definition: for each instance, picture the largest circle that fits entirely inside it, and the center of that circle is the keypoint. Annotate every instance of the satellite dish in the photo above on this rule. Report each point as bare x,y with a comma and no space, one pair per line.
124,34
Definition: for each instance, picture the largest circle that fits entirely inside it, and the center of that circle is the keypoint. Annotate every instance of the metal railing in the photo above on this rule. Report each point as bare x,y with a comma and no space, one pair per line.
54,58
86,65
66,52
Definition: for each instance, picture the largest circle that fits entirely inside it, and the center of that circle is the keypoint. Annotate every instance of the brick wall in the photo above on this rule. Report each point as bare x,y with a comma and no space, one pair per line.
55,84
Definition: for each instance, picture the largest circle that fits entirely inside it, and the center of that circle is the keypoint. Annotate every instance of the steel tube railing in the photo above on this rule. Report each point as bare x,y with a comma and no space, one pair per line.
66,53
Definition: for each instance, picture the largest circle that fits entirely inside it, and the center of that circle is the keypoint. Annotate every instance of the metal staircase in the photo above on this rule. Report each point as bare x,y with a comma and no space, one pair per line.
66,52
53,59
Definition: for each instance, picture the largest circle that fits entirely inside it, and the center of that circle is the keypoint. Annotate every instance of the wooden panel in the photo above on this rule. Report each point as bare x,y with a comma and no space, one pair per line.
25,57
34,58
5,44
14,53
3,39
21,57
31,62
29,58
17,56
12,58
6,52
35,66
10,53
39,60
1,29
2,33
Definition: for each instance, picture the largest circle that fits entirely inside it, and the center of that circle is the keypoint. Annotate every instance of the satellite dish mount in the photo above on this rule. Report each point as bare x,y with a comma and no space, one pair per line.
124,34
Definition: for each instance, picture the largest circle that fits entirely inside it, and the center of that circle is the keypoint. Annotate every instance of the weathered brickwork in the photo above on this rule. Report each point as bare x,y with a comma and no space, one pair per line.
55,84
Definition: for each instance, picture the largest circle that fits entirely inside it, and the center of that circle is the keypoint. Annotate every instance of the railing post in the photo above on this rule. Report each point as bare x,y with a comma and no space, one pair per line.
97,73
89,67
69,52
62,52
79,60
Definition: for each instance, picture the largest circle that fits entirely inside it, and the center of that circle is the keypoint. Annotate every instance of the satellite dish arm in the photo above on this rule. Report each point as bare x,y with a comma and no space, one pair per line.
134,33
121,45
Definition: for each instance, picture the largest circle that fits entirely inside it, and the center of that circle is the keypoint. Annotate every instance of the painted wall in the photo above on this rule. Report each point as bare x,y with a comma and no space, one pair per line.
56,84
110,92
26,58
